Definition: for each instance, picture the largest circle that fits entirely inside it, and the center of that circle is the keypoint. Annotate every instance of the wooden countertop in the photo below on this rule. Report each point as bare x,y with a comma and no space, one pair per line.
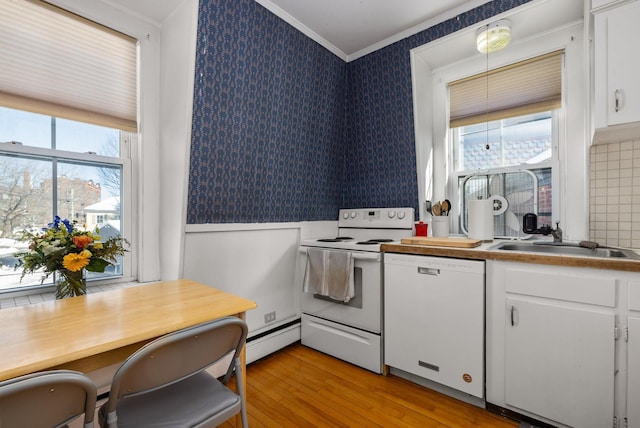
485,253
70,333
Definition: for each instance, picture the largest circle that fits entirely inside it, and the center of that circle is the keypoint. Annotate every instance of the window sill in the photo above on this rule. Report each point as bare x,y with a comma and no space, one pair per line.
11,302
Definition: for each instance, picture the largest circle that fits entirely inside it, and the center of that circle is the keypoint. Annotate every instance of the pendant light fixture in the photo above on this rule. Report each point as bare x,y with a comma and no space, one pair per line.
493,37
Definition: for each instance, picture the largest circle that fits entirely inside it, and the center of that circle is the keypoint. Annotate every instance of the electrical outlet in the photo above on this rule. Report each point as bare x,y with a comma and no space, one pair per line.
270,317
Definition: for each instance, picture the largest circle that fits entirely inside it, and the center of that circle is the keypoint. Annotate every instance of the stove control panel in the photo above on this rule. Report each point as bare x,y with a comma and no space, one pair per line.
388,218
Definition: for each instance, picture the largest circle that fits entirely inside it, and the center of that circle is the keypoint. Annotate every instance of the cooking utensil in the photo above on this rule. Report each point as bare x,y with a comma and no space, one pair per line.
446,206
436,209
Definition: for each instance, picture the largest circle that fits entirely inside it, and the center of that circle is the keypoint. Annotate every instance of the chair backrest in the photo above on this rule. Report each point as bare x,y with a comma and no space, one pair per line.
178,355
47,399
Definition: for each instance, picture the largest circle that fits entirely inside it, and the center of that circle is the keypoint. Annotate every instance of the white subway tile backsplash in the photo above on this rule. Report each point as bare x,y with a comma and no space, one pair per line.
615,194
600,191
627,145
600,209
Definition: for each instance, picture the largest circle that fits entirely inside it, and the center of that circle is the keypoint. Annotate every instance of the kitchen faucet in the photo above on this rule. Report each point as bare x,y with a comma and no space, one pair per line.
556,233
530,225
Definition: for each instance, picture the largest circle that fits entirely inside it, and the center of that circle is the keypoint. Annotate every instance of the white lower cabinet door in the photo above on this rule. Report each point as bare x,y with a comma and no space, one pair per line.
633,373
560,362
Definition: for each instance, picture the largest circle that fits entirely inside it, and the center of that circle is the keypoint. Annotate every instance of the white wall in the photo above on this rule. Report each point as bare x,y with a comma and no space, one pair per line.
257,262
177,68
260,262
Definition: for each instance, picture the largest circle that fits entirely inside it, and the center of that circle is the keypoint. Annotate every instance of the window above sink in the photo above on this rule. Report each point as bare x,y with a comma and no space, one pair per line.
564,171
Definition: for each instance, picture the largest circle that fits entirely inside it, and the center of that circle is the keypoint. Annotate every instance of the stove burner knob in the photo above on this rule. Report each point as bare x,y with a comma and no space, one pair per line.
392,214
401,215
353,214
345,215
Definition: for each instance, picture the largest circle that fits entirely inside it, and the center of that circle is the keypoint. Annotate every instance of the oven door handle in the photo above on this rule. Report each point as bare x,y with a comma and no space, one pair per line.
356,255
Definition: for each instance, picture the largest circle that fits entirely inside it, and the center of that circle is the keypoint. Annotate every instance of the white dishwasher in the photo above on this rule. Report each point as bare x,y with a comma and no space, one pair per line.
434,319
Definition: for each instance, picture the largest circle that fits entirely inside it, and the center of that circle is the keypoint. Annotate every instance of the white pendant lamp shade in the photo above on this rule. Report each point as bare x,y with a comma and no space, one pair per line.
494,37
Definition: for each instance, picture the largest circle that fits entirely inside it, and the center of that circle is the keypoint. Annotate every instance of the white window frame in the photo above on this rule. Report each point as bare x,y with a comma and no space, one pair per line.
447,74
127,195
553,163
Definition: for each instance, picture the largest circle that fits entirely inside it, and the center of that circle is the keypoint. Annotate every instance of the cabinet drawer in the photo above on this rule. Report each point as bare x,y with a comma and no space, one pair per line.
555,284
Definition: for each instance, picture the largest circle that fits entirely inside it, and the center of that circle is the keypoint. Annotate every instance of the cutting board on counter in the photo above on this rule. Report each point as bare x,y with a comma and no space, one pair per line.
442,242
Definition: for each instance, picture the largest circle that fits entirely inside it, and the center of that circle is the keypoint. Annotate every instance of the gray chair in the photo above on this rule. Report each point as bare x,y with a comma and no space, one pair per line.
164,384
47,399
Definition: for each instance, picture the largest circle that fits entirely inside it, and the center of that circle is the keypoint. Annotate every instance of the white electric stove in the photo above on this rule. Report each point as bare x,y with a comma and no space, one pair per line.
352,330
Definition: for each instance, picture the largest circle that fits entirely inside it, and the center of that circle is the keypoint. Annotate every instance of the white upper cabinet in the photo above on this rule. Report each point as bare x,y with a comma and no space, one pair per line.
617,88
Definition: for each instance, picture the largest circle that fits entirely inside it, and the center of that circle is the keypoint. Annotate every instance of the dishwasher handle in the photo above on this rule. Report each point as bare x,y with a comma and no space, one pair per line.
428,271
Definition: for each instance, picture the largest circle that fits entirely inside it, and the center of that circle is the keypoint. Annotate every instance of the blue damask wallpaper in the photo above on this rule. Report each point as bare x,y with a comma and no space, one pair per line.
283,130
268,121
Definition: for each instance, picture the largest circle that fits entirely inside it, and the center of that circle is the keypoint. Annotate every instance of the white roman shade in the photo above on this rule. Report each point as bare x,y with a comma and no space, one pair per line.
526,87
59,64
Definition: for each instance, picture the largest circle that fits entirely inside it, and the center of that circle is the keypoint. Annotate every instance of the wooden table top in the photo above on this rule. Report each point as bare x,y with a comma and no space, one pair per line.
44,335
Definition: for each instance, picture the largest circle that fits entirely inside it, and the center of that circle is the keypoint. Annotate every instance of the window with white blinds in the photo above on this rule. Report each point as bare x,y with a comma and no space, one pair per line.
68,133
59,64
526,87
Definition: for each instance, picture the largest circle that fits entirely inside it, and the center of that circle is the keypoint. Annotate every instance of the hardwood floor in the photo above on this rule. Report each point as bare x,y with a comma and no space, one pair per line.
300,387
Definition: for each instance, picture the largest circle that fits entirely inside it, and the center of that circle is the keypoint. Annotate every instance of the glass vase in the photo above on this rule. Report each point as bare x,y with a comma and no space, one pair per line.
70,284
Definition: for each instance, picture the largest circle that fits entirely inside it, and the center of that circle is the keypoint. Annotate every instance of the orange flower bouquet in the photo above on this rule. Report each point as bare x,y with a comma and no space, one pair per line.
67,250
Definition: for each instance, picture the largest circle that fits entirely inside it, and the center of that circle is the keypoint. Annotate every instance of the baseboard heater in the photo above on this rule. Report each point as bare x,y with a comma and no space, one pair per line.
269,341
273,330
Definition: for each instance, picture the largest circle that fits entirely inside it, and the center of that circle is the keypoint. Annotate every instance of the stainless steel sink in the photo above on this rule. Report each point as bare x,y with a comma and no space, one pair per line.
567,249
